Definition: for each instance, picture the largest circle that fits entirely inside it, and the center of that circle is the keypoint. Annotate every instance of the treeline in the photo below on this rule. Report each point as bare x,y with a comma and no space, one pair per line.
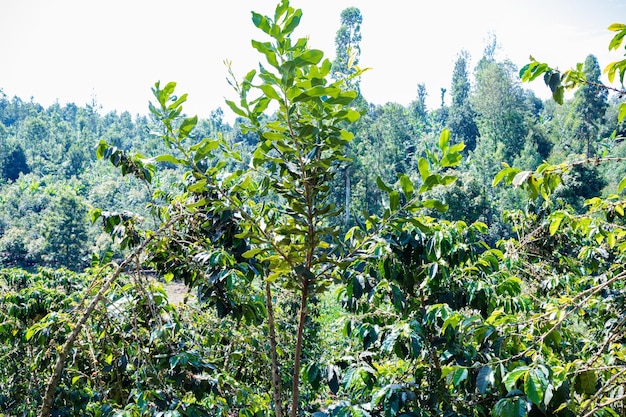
50,178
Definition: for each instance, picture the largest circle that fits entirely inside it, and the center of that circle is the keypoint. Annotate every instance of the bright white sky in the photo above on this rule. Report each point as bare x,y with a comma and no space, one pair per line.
114,50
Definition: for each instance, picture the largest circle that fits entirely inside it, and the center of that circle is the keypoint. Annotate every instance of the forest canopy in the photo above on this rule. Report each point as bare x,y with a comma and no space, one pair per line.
343,258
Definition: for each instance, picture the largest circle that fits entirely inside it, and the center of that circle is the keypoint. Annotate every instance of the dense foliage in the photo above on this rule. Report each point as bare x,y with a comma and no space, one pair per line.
346,258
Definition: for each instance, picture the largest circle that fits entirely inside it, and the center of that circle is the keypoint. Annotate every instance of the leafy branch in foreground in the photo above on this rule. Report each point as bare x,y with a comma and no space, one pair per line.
573,78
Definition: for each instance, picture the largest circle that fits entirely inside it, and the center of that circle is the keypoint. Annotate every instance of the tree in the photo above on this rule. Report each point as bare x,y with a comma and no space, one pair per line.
501,106
64,229
345,65
12,161
348,46
419,109
590,104
461,115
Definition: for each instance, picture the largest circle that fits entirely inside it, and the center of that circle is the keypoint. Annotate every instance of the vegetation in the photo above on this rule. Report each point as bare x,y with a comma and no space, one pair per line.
345,258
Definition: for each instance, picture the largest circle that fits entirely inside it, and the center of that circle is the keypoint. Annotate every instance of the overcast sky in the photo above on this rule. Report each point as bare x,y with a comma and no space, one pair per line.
114,50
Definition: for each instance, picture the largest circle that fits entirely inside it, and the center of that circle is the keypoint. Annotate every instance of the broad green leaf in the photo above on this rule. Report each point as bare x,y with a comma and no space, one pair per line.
268,50
170,159
187,126
444,139
459,375
384,187
511,378
292,23
251,253
621,113
318,91
308,57
510,407
484,379
451,159
274,136
394,200
534,387
407,186
261,22
352,116
556,222
436,205
521,177
236,109
622,185
422,165
390,340
269,91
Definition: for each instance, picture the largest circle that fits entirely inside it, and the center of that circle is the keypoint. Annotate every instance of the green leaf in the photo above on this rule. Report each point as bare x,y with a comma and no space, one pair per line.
382,186
506,172
510,407
511,378
236,109
616,27
251,253
556,222
558,94
269,91
394,200
390,340
407,186
333,378
484,379
171,159
268,50
622,185
436,205
424,169
533,389
459,375
308,57
621,112
521,177
318,91
352,116
292,23
444,139
187,126
261,22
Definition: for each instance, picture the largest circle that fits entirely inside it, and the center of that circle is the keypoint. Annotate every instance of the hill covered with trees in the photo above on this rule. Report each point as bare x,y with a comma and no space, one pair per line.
347,258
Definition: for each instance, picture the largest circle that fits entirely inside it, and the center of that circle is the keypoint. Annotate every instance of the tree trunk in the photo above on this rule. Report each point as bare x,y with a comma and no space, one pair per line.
278,405
53,383
347,171
295,393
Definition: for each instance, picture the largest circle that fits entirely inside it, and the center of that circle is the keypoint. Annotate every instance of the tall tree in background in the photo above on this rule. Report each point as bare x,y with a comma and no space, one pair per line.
501,107
461,119
12,161
590,104
348,46
348,50
418,107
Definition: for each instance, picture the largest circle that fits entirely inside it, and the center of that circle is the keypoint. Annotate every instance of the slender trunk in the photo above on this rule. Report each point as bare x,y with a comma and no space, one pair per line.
69,343
347,171
296,366
278,405
53,383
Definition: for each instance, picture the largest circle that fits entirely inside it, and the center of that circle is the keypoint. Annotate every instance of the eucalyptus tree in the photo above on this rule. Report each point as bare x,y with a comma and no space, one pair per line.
589,106
461,119
348,46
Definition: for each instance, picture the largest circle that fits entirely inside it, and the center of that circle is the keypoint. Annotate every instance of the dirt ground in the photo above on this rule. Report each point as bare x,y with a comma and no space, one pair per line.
176,292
